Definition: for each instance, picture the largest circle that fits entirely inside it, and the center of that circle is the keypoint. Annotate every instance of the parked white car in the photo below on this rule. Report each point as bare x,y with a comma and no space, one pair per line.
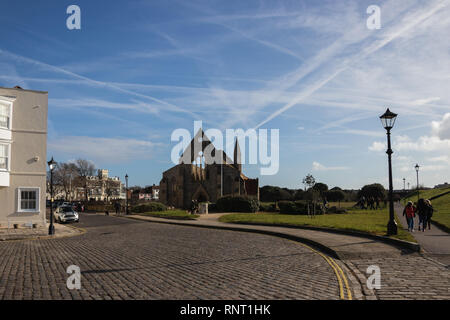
66,214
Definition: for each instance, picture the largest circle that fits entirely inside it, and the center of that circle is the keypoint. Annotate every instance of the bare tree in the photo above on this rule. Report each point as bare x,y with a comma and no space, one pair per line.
84,169
112,188
64,176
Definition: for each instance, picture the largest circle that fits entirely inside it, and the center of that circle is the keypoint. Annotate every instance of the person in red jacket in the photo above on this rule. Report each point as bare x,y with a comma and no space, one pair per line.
410,213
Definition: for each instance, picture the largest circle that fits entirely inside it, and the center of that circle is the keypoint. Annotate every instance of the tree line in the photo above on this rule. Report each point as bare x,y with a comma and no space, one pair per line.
315,191
67,176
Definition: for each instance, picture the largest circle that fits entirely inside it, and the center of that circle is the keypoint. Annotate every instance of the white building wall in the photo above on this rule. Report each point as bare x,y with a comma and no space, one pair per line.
27,157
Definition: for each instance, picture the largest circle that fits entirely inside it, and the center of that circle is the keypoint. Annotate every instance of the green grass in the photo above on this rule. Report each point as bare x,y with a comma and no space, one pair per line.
369,221
171,214
427,194
343,204
442,213
441,204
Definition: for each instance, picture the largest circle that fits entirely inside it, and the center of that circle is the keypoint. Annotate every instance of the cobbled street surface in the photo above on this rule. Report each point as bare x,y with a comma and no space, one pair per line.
126,259
409,277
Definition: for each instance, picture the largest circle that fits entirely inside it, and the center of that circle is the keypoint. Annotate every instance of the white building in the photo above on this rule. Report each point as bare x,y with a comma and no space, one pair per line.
23,148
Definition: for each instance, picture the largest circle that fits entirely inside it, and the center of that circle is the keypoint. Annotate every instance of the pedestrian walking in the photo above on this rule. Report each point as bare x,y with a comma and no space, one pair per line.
410,212
429,213
117,207
422,213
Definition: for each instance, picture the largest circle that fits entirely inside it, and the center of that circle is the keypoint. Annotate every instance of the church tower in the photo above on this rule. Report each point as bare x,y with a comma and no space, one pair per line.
237,156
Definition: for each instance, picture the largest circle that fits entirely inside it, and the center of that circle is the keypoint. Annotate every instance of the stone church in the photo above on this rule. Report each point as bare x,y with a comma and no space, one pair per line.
197,178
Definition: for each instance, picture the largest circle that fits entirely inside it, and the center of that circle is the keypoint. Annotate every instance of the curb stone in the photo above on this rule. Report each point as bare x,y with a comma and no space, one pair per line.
397,242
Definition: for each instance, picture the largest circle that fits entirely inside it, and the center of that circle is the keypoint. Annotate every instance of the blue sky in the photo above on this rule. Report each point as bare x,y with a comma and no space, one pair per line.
137,70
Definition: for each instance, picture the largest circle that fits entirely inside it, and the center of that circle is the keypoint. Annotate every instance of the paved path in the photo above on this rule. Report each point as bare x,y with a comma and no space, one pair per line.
435,242
122,258
40,232
404,274
128,259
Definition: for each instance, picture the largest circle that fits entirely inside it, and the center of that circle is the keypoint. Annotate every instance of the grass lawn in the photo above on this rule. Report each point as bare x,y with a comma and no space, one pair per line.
371,221
343,204
427,194
442,213
170,214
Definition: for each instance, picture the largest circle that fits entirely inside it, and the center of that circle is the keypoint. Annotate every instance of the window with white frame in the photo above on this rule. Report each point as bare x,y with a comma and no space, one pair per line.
4,156
28,199
5,114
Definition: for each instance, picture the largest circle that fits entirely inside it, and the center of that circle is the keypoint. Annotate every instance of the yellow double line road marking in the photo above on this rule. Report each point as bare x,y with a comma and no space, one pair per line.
340,275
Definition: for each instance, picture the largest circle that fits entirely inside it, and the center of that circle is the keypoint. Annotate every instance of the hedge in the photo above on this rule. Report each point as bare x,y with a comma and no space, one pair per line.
298,207
237,204
268,207
149,207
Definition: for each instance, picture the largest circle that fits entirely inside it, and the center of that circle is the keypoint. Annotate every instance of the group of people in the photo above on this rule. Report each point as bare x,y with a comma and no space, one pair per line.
370,203
424,210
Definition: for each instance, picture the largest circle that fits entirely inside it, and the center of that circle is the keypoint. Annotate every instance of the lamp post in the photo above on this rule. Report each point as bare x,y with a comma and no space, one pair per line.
417,173
51,227
404,184
388,120
408,185
126,194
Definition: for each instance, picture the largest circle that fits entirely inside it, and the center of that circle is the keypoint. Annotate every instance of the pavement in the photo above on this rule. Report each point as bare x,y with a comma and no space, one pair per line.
38,233
122,258
404,274
434,242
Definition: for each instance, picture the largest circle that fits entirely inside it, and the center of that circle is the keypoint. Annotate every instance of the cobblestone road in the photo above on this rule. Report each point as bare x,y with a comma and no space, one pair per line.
126,259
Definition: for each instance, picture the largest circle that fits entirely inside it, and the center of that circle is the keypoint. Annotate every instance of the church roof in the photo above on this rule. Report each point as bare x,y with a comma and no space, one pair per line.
200,143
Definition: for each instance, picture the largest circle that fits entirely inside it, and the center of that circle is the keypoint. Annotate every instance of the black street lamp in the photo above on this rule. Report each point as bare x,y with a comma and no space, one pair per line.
51,165
388,120
417,172
404,187
126,192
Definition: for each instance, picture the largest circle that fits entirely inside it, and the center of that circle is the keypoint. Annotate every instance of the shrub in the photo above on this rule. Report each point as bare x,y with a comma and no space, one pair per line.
212,207
287,207
298,207
271,193
268,207
237,204
149,207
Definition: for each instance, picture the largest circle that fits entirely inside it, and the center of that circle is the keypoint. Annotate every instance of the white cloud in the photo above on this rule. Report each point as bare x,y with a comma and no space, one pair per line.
316,166
109,150
442,128
439,159
425,168
438,141
421,102
377,146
